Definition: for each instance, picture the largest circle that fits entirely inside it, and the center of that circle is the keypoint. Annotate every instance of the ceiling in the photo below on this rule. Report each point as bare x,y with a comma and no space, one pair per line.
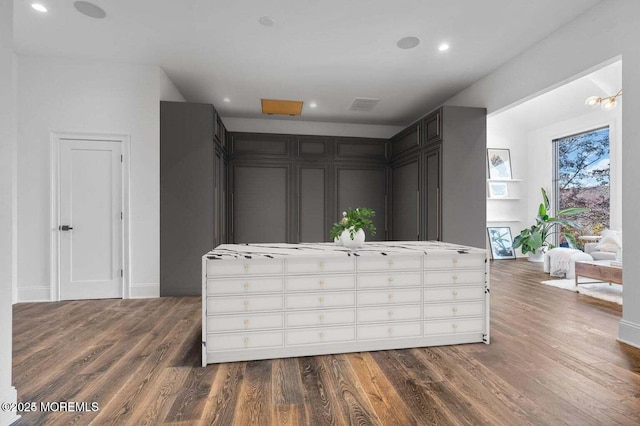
323,51
564,102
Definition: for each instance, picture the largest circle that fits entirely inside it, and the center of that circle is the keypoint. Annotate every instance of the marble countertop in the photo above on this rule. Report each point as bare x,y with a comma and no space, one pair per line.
381,248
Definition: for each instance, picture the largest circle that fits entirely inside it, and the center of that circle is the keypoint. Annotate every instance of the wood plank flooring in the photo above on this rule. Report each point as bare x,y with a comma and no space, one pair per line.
553,359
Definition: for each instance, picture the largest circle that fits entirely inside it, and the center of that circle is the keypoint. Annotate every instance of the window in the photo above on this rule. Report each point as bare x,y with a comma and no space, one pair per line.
581,177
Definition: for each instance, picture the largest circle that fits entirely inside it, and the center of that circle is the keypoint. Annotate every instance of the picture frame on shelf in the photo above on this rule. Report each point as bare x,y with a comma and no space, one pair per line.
501,242
499,162
498,190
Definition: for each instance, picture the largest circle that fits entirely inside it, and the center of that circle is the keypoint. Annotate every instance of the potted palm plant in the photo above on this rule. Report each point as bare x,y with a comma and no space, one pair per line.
533,240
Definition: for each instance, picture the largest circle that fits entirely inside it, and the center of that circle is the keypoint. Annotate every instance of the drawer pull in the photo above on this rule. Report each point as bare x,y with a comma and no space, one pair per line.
391,263
322,283
246,286
321,317
246,303
455,277
454,326
321,265
322,335
390,280
246,341
246,268
391,297
390,313
390,330
455,260
246,322
321,300
455,293
454,310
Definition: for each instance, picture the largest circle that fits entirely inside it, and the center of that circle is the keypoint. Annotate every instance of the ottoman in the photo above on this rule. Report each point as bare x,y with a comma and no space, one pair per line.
561,262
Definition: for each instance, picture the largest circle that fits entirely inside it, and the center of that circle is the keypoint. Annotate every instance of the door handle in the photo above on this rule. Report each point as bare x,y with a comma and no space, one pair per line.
65,228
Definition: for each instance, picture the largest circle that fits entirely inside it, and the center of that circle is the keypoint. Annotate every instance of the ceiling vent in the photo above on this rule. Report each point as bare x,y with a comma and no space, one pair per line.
279,107
364,104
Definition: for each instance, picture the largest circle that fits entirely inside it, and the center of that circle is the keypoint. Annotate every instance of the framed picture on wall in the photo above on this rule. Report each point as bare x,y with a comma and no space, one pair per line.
498,190
499,161
501,242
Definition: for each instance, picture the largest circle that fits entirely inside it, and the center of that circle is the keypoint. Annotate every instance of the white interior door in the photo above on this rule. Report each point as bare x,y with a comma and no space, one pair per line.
90,200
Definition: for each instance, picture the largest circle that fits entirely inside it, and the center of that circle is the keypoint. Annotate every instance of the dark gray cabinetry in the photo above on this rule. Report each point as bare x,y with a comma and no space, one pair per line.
447,147
260,202
188,180
405,198
324,176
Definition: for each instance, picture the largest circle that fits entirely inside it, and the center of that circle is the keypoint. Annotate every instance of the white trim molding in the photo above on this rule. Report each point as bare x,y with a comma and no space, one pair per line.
34,293
56,137
629,333
145,291
11,396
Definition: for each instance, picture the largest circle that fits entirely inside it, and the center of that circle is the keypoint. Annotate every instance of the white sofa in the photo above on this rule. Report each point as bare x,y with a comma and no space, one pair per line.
592,249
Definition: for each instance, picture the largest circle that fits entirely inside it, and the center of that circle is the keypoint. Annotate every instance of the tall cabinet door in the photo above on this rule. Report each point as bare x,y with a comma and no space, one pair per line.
312,185
432,203
219,198
260,203
363,186
405,224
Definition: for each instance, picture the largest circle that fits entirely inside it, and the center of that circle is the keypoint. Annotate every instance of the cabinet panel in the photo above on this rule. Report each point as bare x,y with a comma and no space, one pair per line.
362,187
260,144
407,141
361,149
260,204
433,127
405,201
432,195
312,204
313,146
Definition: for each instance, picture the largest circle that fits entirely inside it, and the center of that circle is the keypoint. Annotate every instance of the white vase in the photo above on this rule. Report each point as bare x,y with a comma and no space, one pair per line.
537,257
356,242
338,241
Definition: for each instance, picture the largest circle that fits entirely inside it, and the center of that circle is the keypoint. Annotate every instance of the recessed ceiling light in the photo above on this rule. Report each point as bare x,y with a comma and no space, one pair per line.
90,9
267,21
39,7
313,105
227,100
443,47
408,42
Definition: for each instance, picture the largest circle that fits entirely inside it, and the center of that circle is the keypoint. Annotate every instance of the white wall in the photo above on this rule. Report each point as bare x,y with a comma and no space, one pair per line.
263,125
505,134
168,90
7,203
59,95
601,35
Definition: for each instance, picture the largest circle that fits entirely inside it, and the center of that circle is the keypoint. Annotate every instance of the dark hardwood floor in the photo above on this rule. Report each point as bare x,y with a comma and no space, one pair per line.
553,359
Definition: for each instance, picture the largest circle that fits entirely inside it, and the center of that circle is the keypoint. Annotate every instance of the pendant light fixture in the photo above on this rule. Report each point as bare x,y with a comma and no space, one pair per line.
606,103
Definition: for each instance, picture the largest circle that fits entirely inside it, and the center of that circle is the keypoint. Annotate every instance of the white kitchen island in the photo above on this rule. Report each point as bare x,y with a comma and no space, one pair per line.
262,301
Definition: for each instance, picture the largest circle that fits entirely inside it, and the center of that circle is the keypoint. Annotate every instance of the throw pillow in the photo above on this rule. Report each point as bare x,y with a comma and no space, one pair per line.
610,241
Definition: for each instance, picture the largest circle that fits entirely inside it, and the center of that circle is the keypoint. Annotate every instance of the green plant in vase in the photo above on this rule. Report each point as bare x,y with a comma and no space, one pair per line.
350,229
534,239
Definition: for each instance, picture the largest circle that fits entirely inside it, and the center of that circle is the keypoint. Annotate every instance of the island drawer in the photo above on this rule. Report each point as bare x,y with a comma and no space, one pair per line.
389,331
222,286
389,297
389,263
447,261
321,317
314,265
453,277
393,313
237,267
234,341
446,294
390,280
309,336
320,282
219,305
223,323
453,326
446,310
320,300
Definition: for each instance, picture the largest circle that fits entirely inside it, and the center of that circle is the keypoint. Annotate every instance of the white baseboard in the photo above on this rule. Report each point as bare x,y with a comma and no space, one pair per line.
629,333
34,294
11,396
144,291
